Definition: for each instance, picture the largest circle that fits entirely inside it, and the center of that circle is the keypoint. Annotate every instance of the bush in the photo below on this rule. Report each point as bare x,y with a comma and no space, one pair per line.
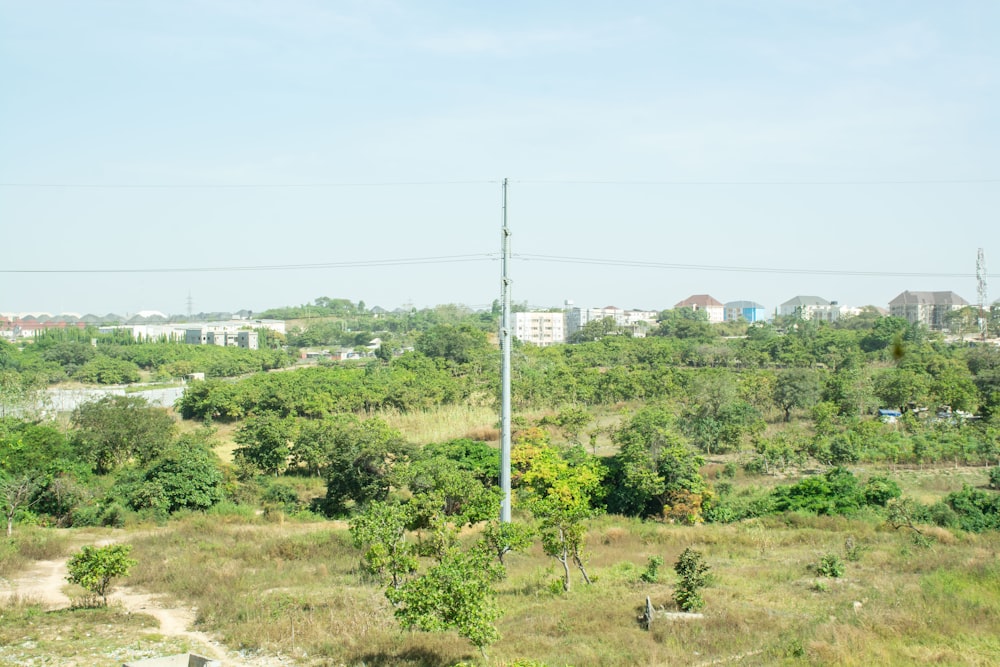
830,565
652,572
693,573
995,477
94,568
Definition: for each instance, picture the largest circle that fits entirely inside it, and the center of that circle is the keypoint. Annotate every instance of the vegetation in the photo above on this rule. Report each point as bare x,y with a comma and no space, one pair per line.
622,447
94,568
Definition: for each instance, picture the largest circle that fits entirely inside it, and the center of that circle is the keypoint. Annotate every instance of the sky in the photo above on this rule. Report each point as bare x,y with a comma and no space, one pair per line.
249,154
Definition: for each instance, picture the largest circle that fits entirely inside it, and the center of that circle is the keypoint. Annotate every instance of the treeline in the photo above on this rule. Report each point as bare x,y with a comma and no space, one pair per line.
91,357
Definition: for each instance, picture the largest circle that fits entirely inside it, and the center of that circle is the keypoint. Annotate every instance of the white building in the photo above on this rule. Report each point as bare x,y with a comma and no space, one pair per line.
540,328
636,322
704,302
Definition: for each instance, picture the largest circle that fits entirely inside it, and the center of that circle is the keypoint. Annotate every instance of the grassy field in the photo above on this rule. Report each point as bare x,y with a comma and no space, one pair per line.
295,589
269,586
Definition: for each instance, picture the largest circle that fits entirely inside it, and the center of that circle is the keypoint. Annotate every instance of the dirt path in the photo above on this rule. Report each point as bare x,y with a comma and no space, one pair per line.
45,582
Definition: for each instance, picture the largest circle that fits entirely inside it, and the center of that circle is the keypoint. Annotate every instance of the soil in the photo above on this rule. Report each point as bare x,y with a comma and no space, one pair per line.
45,582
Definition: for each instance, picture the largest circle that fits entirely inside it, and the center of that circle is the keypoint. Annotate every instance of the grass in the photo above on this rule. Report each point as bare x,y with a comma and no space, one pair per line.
295,589
30,544
98,637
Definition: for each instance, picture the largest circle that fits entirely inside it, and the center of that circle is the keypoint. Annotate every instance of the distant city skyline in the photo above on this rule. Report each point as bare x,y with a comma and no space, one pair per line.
270,153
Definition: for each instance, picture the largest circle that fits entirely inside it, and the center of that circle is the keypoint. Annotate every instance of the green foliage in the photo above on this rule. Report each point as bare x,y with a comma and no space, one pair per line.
692,570
651,574
976,510
836,492
796,388
995,478
830,565
264,443
107,370
561,492
359,468
459,344
500,538
117,429
380,531
455,594
186,476
653,467
94,568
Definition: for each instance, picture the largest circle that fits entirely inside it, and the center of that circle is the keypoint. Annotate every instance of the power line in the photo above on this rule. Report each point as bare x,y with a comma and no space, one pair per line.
237,186
735,269
379,184
523,257
955,181
277,267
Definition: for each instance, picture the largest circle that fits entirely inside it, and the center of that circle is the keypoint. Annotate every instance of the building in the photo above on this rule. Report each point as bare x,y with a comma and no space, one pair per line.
241,338
636,322
705,303
540,328
928,308
816,309
746,311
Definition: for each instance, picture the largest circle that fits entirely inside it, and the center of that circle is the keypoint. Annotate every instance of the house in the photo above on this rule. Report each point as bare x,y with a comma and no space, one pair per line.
540,328
928,308
747,311
704,303
634,321
815,308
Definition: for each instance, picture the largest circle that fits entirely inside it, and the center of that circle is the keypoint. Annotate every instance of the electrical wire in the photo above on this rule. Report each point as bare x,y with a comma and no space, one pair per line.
737,269
278,267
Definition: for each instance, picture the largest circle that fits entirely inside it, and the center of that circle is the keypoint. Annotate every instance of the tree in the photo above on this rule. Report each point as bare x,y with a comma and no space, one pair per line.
17,493
94,568
560,493
655,470
796,388
381,532
456,593
186,476
360,464
459,344
264,442
115,429
693,572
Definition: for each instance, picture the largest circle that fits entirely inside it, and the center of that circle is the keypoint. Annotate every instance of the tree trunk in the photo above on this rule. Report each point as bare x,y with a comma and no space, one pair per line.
564,559
583,570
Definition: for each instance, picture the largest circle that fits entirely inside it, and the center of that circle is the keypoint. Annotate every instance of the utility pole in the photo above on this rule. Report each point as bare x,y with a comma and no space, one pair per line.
981,285
505,339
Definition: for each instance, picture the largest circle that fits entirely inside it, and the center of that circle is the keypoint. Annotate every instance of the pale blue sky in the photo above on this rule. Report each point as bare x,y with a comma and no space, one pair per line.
822,137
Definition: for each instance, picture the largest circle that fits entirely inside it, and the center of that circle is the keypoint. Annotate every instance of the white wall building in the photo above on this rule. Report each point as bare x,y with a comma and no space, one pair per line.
637,322
540,328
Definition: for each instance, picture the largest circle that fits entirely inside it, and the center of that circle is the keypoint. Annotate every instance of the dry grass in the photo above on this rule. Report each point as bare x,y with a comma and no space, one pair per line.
444,423
295,589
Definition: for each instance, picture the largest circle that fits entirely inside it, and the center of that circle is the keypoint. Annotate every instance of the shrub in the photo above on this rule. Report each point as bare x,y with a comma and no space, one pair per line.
693,573
830,565
995,477
94,568
652,572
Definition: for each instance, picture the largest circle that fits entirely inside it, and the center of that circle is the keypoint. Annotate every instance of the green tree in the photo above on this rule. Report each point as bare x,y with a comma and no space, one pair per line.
457,593
106,370
693,572
561,494
459,344
116,429
264,442
360,466
94,568
381,532
796,388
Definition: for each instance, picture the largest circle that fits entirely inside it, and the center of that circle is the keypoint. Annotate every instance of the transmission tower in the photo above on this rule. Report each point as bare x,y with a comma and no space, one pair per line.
981,285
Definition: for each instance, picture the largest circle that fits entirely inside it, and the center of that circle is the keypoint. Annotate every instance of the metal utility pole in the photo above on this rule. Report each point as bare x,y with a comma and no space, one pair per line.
981,285
505,339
